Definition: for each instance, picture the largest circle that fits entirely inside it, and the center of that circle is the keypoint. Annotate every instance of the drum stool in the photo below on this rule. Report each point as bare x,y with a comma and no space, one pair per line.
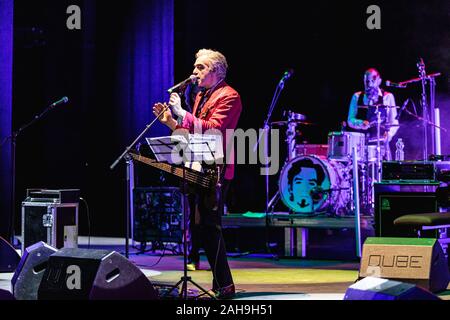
428,221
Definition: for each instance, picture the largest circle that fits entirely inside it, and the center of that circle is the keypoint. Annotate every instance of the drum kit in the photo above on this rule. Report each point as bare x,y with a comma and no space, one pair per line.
318,179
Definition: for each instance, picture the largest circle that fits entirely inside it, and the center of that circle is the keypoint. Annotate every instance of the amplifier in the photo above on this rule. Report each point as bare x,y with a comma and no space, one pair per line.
53,196
408,170
442,170
393,200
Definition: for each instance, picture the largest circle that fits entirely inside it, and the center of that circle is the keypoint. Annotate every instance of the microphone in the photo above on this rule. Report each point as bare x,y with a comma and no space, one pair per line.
182,84
401,109
60,101
395,85
287,75
317,193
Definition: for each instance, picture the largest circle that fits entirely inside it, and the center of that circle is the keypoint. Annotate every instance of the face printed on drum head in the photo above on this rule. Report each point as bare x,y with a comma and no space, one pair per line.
302,185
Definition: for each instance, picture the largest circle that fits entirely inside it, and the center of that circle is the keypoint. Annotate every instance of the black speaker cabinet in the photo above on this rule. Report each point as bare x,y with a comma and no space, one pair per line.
395,200
52,223
85,274
28,275
372,288
6,295
9,258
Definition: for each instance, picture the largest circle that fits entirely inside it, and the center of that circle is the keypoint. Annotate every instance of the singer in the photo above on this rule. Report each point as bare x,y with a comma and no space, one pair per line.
362,115
217,106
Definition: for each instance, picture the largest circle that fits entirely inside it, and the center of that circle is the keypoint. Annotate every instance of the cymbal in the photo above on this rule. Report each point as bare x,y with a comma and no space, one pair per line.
284,123
390,125
384,125
378,106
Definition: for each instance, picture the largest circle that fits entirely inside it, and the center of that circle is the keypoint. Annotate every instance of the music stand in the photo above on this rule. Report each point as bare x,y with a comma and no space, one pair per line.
190,152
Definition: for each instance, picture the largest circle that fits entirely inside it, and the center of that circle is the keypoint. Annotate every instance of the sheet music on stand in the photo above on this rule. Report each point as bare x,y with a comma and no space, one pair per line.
192,151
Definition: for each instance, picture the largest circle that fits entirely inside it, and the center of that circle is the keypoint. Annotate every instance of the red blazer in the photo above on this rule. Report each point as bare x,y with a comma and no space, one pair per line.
221,111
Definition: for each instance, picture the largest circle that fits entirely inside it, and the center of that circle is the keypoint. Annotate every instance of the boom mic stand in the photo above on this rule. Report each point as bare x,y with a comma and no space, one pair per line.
266,130
422,74
129,173
13,139
435,136
438,127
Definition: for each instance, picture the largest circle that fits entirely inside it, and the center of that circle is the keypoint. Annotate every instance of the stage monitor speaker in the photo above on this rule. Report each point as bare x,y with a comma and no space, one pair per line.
9,258
372,288
414,260
27,278
85,274
6,295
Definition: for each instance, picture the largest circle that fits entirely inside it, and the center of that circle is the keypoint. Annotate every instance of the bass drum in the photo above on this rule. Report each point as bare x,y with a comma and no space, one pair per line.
311,185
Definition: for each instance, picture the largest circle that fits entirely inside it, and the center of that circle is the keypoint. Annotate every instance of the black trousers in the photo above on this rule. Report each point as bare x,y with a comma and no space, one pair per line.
206,231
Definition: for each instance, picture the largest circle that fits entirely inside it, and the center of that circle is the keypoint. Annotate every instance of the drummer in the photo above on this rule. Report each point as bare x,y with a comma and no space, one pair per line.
362,115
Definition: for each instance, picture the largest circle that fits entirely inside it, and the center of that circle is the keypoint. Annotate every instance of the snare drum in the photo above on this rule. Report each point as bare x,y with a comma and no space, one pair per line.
340,145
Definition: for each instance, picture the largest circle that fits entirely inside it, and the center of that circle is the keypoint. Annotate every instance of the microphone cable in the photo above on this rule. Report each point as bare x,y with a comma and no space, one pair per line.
89,221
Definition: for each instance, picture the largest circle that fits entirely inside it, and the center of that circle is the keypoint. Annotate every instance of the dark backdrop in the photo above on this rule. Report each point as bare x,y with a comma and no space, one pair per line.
325,42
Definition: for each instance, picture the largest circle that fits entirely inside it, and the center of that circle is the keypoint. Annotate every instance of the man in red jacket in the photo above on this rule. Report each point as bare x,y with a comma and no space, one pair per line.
217,106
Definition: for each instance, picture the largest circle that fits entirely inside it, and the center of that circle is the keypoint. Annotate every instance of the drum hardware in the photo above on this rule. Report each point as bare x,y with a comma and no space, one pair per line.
356,201
267,125
429,110
293,120
378,161
293,116
283,123
378,106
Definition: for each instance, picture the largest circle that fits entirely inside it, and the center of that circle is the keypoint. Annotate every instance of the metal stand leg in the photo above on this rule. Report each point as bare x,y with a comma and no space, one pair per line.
295,242
185,279
356,203
130,186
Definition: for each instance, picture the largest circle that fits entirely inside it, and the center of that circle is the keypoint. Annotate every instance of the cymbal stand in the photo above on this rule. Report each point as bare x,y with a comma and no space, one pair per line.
432,114
423,78
266,132
378,169
265,136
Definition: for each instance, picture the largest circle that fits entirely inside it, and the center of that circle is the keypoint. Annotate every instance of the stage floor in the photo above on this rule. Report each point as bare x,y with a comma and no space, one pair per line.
256,276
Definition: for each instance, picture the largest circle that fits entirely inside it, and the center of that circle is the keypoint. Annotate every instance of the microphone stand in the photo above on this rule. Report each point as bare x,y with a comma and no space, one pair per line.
437,127
13,139
422,75
436,117
435,135
129,174
266,130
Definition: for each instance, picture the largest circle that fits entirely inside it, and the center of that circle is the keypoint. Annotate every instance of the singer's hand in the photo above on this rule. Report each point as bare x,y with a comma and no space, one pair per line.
166,118
175,103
